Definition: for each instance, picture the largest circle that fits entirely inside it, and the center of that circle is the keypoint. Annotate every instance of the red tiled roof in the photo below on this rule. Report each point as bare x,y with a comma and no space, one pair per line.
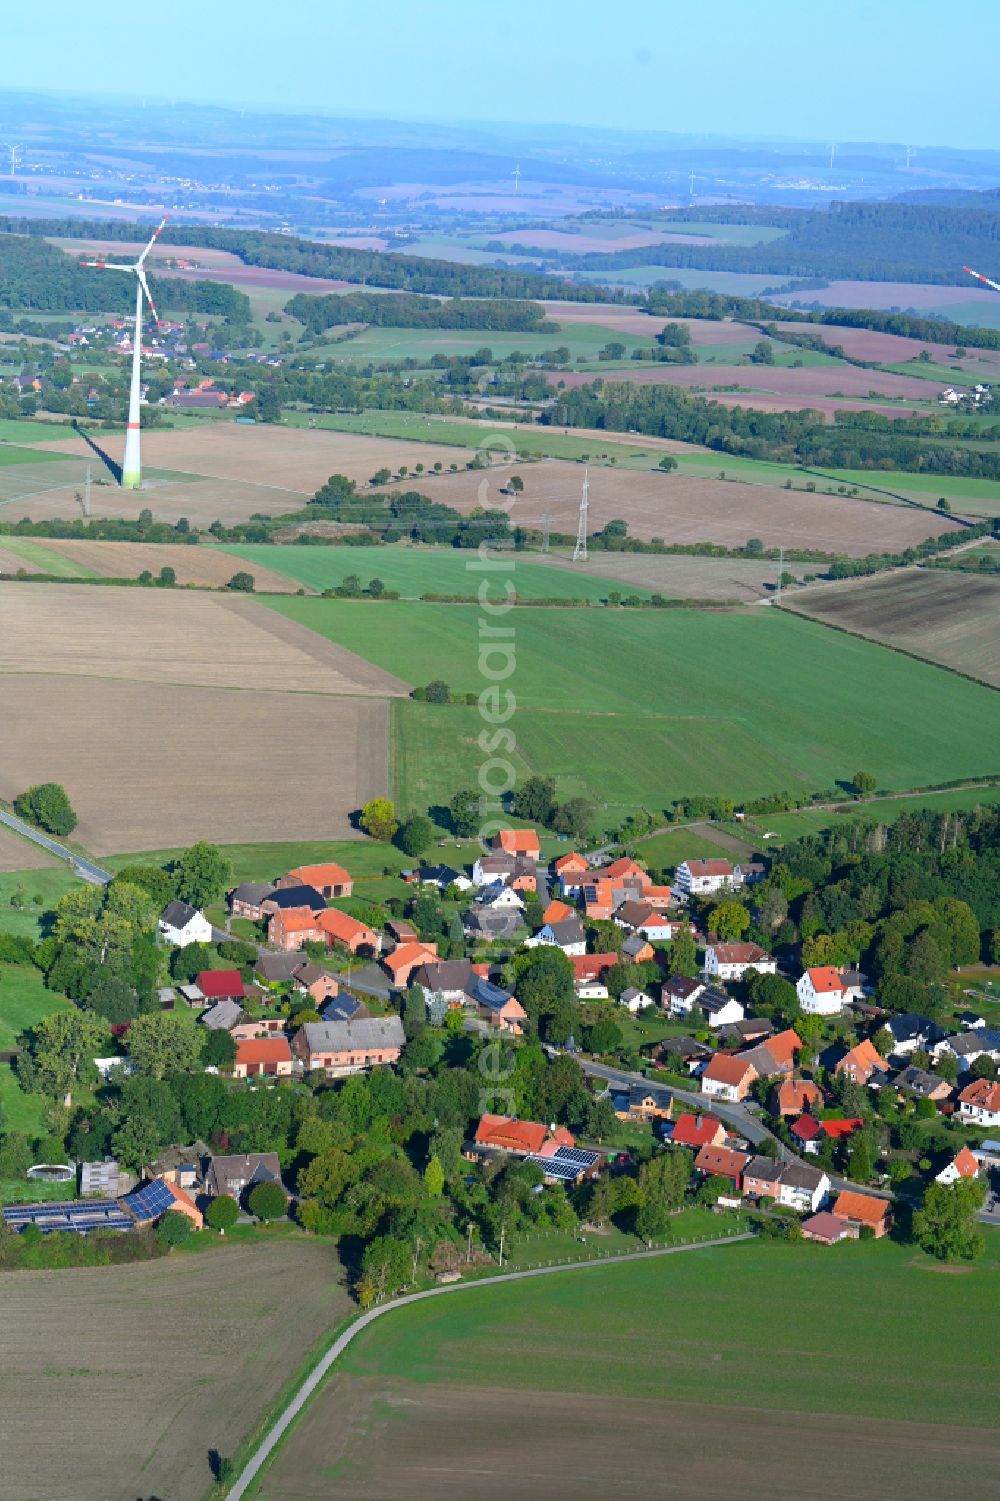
590,966
221,983
342,926
518,841
556,911
264,1050
965,1164
572,862
709,867
983,1093
738,953
321,875
696,1130
861,1207
826,979
838,1129
724,1068
806,1128
784,1046
519,1136
721,1161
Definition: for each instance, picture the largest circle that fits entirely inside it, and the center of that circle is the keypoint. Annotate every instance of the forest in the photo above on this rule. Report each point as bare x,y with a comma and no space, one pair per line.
38,276
411,311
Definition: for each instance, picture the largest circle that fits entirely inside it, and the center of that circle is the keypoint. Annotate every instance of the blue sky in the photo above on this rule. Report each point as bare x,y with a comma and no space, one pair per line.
915,71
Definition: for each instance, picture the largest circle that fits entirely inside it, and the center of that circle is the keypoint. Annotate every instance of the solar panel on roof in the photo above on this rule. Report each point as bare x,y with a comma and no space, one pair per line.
150,1202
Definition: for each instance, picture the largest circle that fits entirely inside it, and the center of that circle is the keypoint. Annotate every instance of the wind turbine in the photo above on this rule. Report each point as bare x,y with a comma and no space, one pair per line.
14,148
984,279
131,467
516,174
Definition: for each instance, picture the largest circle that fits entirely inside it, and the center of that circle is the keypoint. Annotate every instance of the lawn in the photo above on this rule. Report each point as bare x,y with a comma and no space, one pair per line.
420,570
641,707
664,851
363,858
48,882
10,455
789,826
376,344
801,1317
20,1111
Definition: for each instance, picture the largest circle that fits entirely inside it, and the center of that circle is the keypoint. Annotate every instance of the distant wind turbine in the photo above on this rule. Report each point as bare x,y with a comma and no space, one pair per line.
131,466
14,149
516,174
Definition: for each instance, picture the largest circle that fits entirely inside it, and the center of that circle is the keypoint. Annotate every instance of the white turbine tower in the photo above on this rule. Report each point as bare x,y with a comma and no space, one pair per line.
131,466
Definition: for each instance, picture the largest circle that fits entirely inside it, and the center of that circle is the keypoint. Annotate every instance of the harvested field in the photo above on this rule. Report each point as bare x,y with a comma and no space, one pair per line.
156,765
209,265
678,577
161,252
166,636
245,277
688,508
401,1441
292,460
896,294
828,405
805,382
117,1381
192,564
868,343
946,617
20,854
201,501
628,320
561,239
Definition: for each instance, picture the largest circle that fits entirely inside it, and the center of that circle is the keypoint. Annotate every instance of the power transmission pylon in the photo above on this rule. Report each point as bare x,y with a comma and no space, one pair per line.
781,570
580,550
546,523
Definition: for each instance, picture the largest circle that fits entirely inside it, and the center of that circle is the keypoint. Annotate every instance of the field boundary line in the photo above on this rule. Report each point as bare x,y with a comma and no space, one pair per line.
251,1471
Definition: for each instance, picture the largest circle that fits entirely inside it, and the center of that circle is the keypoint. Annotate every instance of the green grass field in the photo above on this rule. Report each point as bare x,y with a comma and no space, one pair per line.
789,826
376,344
24,1000
641,707
419,570
10,455
664,851
798,1319
363,858
49,883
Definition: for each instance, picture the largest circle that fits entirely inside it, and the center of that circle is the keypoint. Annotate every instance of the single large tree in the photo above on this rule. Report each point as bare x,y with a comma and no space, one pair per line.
201,874
945,1225
378,818
47,804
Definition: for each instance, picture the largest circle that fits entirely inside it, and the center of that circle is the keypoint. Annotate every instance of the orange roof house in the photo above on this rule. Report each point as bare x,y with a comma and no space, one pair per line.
518,842
261,1057
346,931
329,879
795,1095
861,1062
863,1209
572,864
784,1046
506,1133
722,1163
291,927
557,911
962,1165
626,870
403,960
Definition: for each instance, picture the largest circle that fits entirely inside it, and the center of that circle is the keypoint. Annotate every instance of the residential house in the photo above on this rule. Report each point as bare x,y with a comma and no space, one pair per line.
451,979
500,897
635,1000
637,949
571,864
751,1029
860,1063
181,924
505,1133
640,917
277,969
910,1032
921,1084
572,881
566,1165
824,991
315,982
760,1179
557,911
568,935
347,932
329,880
801,1187
979,1103
350,1047
682,1052
640,1102
497,1006
730,961
401,932
864,1210
696,1131
183,1166
263,1057
966,1047
152,1201
221,985
518,842
826,1228
679,995
229,1016
589,971
775,1056
722,1162
703,878
962,1165
293,899
719,1009
490,924
239,1174
405,958
443,876
344,1007
793,1096
626,869
727,1077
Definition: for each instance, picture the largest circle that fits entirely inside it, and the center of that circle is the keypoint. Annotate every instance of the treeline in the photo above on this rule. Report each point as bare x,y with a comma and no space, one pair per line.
410,311
714,305
307,258
40,277
407,514
847,241
800,437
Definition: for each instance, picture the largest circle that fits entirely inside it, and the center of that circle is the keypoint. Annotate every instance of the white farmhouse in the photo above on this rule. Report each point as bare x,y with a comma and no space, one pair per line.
824,991
730,961
180,925
704,878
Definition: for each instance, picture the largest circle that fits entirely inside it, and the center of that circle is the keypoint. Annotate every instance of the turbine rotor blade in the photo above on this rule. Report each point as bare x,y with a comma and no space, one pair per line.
153,239
140,273
984,279
107,265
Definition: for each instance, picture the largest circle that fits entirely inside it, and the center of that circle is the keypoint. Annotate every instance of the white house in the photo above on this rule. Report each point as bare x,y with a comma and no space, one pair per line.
962,1165
680,995
727,1077
640,917
568,934
801,1187
720,1009
634,999
500,898
824,991
730,961
704,878
979,1103
180,925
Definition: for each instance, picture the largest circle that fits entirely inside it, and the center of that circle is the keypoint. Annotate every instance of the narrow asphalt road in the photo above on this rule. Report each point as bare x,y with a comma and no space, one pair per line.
281,1425
736,1116
83,867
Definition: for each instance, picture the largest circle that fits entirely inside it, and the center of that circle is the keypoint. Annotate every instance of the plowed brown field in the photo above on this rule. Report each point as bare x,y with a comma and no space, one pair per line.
688,508
951,618
806,381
